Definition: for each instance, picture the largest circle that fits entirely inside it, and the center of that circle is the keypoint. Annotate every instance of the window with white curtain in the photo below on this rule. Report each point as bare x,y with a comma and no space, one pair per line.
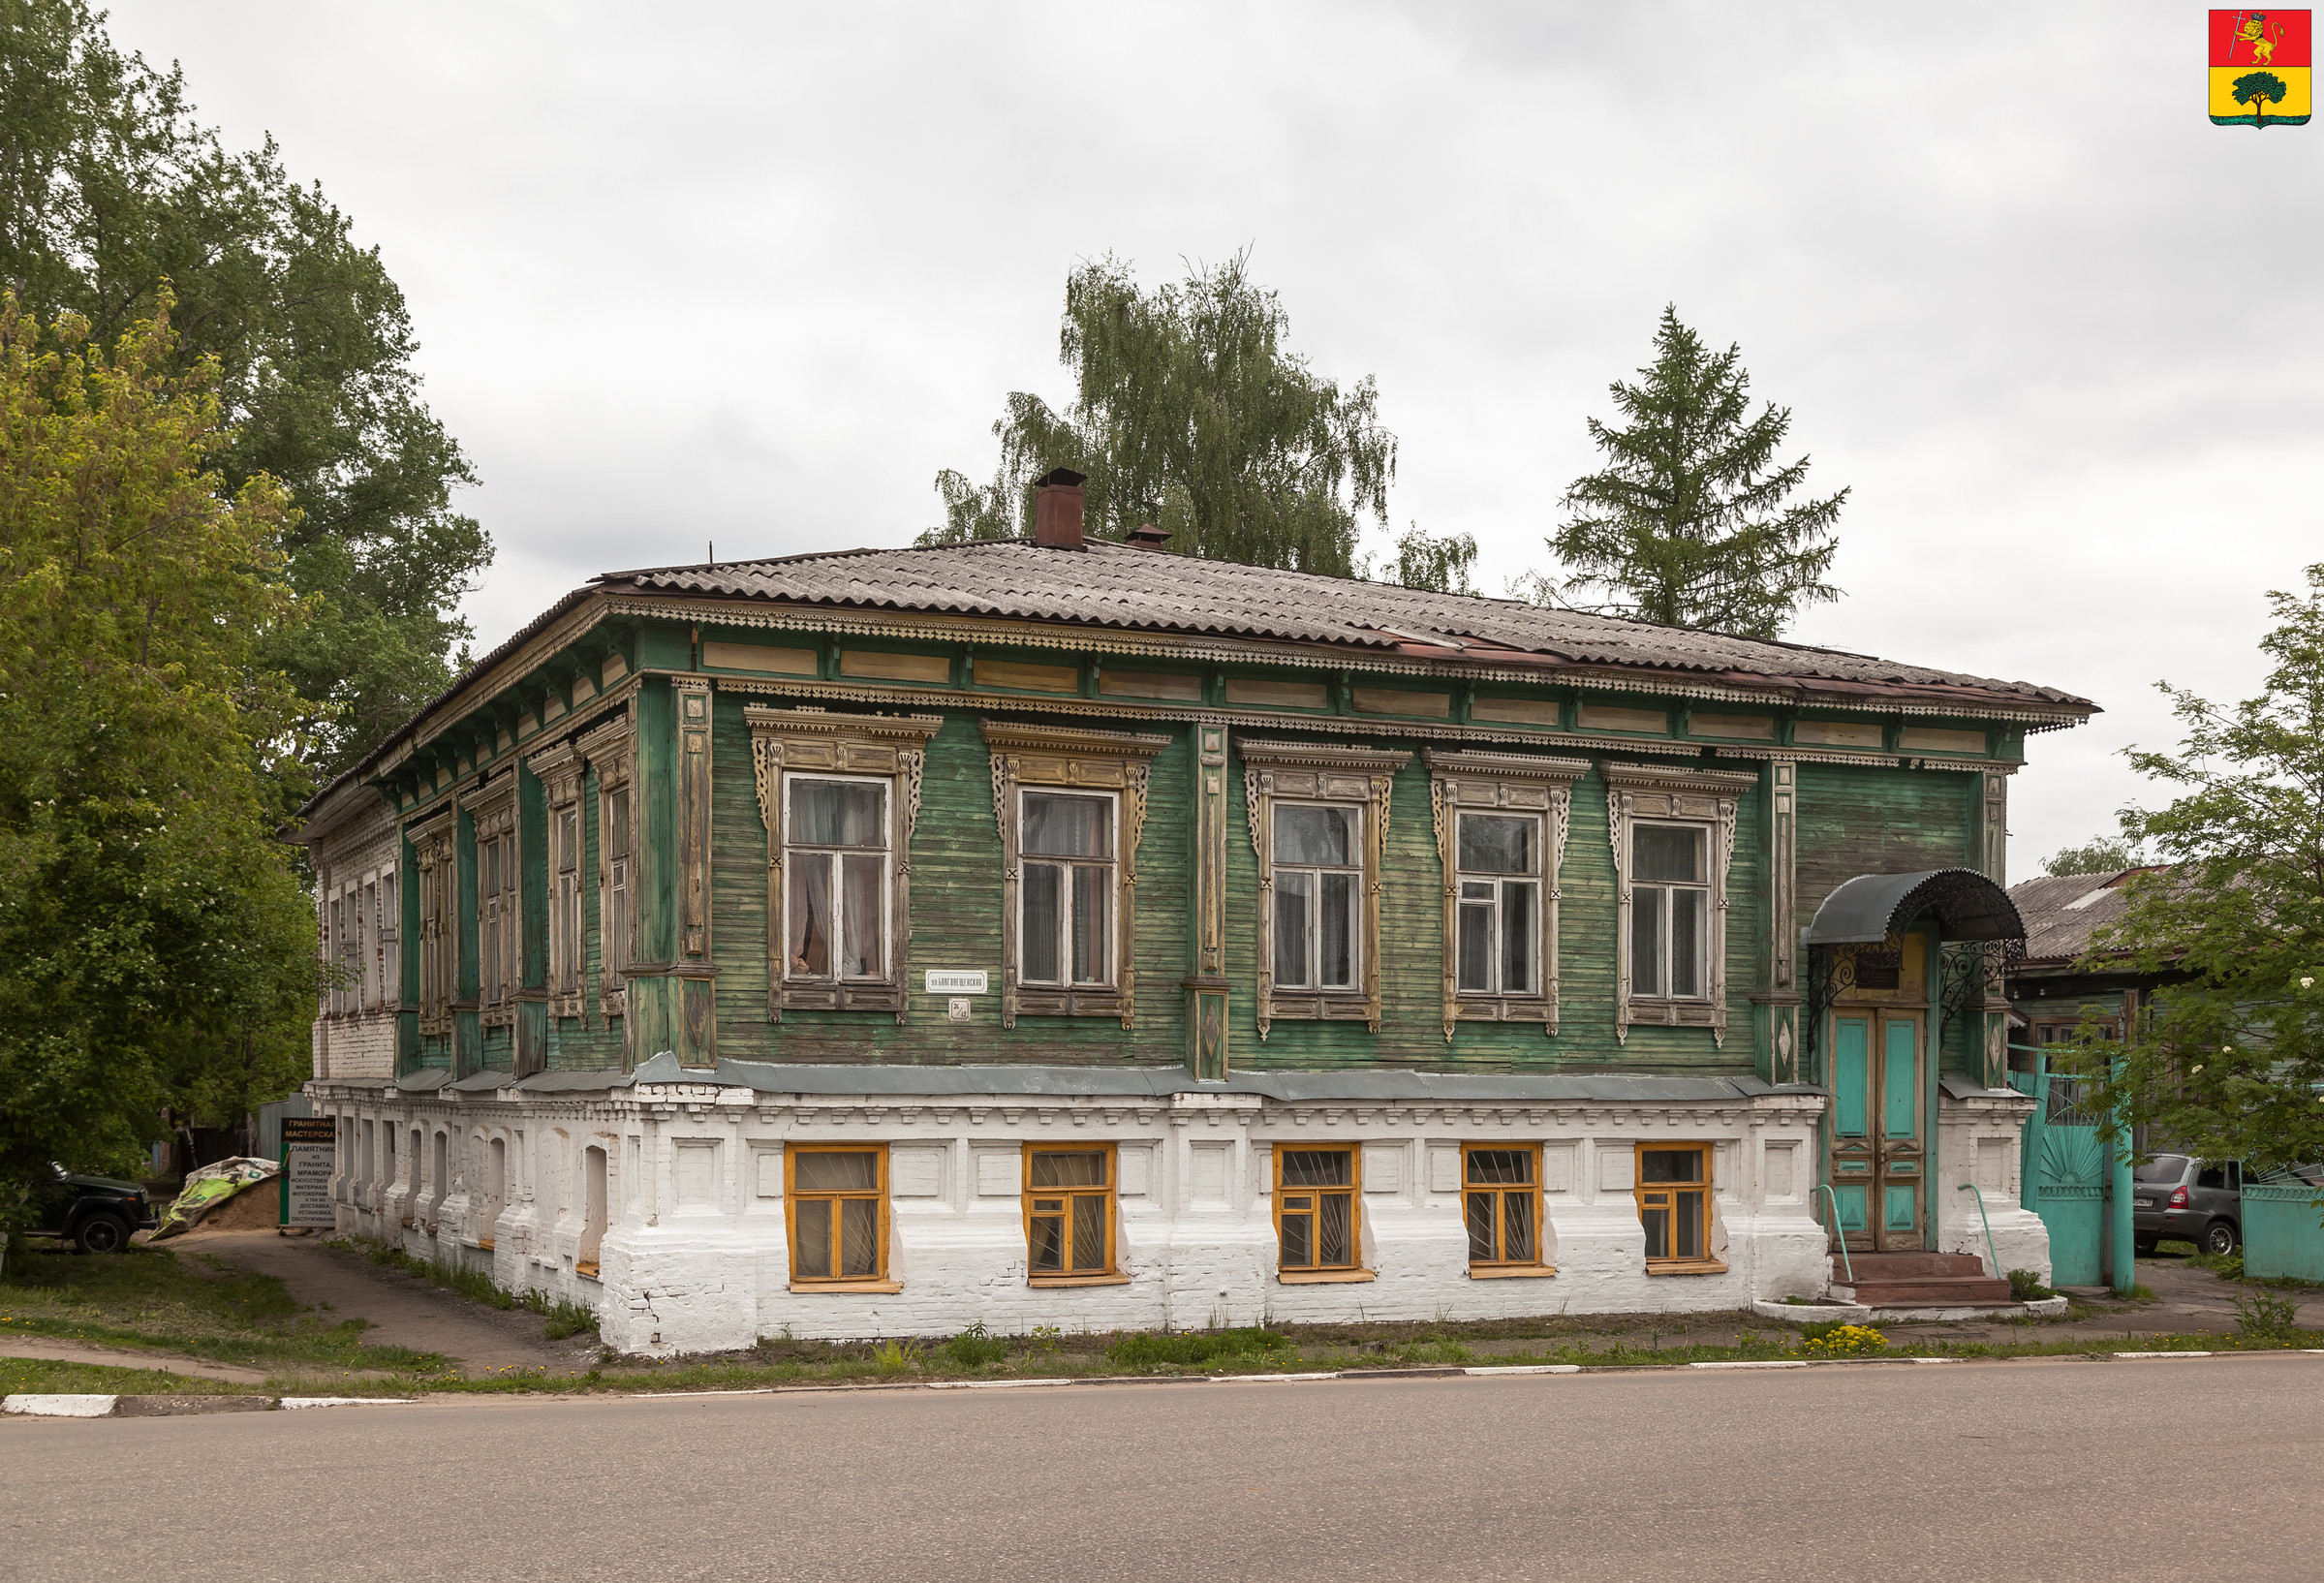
1065,888
1319,886
837,847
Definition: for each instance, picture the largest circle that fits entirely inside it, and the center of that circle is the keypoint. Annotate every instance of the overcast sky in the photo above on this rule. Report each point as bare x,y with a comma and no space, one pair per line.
752,273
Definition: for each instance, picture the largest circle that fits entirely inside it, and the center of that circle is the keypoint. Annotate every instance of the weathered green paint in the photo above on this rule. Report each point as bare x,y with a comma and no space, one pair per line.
2282,1235
1851,1074
1844,819
1898,1087
1879,821
656,1016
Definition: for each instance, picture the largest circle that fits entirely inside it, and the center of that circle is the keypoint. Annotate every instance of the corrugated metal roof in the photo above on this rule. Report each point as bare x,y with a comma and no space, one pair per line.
1115,586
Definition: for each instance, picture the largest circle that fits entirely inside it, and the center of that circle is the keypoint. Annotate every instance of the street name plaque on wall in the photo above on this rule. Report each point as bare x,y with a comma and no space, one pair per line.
955,983
310,1145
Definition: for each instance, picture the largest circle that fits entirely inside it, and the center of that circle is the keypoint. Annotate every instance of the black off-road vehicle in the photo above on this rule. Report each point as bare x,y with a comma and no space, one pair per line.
96,1213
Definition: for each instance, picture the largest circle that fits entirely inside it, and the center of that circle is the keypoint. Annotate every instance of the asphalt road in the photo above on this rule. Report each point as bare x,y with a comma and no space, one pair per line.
2208,1470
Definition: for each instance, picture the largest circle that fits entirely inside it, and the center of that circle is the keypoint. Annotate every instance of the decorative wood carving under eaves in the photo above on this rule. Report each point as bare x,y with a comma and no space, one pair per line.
1318,772
1516,783
1039,755
1707,797
893,746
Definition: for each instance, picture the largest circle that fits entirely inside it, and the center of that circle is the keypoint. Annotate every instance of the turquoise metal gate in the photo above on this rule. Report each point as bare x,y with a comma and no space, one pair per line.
2064,1170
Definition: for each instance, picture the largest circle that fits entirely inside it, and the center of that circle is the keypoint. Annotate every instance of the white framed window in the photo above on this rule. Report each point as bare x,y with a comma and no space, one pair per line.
1317,935
1670,911
1501,820
499,964
837,849
1071,805
559,771
1319,826
616,907
340,952
1066,892
439,922
1672,831
367,980
390,936
566,902
1497,936
838,794
610,751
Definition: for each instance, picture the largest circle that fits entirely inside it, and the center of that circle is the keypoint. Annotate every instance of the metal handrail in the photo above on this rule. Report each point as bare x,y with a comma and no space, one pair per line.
1971,1187
1840,1231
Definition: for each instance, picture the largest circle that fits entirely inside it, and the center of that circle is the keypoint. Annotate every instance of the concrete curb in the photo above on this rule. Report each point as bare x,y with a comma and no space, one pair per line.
80,1406
150,1407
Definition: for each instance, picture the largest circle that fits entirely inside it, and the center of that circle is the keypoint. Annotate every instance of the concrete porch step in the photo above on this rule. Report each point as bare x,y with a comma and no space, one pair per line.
1930,1292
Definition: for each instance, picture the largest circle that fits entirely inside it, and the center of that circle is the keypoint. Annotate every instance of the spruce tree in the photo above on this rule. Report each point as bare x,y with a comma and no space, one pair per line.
1688,525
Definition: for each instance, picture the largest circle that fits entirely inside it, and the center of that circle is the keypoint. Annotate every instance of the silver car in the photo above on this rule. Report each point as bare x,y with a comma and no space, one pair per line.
2179,1196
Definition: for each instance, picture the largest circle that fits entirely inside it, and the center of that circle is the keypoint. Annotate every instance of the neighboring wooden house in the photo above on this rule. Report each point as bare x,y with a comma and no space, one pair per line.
1058,933
2053,987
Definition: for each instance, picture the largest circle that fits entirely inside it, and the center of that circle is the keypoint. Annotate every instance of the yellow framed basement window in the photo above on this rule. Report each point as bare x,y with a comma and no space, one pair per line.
1317,1229
1674,1206
1501,1200
1070,1217
836,1198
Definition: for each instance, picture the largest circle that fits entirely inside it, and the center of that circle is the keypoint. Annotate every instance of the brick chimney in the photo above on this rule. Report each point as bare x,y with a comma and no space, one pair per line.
1057,510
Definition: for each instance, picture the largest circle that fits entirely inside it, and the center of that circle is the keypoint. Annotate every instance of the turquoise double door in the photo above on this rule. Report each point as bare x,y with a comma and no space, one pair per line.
1881,1154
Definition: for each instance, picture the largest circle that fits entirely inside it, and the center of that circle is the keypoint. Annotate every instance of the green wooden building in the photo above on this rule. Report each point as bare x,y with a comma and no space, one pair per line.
1070,932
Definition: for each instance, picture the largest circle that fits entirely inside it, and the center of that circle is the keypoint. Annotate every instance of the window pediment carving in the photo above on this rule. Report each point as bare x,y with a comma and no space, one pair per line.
1068,758
1707,799
802,905
1513,906
1346,923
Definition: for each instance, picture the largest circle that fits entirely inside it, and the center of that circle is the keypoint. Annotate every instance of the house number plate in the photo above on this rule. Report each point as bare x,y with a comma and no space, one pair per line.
955,983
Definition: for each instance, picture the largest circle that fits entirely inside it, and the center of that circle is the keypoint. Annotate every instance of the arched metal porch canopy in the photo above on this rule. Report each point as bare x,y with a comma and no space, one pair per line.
1867,908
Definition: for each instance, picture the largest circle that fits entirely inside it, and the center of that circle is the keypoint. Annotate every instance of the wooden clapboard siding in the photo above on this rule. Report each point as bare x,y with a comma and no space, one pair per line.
955,923
1879,821
737,886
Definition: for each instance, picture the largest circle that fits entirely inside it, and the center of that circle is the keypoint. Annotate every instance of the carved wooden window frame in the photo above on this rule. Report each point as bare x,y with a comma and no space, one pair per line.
893,748
437,876
610,752
560,770
1318,772
1707,798
1063,757
500,915
1503,783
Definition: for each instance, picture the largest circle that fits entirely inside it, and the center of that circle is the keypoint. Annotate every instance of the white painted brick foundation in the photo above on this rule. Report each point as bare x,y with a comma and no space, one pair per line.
694,1258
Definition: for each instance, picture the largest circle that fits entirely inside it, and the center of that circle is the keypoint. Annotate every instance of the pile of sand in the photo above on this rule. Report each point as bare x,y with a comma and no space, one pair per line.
256,1208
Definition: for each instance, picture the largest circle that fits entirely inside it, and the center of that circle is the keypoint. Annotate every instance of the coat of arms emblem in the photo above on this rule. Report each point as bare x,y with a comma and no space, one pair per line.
2259,68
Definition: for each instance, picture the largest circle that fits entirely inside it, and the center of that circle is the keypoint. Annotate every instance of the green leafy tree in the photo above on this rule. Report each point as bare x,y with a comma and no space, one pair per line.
111,192
1442,565
2230,1064
1188,412
2101,854
156,944
1690,524
2259,90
